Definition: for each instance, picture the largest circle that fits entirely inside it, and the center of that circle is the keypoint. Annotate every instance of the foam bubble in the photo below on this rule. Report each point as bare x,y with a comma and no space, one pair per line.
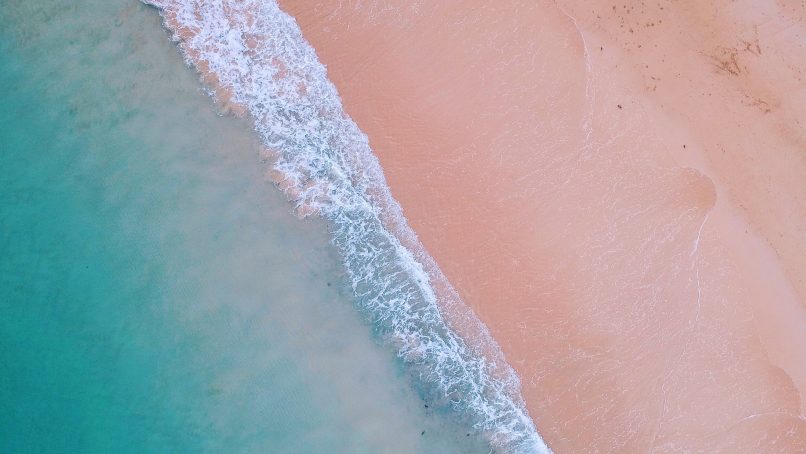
256,60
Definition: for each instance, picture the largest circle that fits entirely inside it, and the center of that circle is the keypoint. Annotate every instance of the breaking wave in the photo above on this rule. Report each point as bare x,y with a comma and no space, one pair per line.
255,61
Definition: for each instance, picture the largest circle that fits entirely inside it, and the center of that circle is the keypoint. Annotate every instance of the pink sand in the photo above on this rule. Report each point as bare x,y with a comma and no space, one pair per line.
617,192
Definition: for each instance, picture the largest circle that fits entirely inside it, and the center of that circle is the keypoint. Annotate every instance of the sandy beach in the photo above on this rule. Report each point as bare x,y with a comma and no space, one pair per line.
617,192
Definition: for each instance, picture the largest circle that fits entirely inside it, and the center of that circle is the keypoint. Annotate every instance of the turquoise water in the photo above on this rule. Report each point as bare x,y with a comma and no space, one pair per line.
156,294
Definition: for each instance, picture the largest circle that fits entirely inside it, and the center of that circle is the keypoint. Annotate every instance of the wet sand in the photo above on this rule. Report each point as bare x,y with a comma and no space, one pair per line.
617,193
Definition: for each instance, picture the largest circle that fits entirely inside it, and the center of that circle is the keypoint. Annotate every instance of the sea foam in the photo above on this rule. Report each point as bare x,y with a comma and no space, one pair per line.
254,58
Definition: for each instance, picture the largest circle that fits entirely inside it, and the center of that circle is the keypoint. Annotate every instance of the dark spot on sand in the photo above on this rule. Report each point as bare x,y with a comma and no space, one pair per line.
619,106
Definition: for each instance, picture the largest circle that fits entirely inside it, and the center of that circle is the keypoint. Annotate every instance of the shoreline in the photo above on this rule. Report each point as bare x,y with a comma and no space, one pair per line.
469,363
599,259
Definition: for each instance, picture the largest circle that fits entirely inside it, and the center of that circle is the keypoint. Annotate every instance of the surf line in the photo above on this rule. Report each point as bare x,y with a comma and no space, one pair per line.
254,61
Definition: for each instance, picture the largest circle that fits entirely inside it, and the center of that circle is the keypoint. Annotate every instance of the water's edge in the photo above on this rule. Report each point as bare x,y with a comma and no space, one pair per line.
254,59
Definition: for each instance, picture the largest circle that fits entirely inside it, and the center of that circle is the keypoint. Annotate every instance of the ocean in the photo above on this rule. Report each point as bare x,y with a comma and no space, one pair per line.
158,293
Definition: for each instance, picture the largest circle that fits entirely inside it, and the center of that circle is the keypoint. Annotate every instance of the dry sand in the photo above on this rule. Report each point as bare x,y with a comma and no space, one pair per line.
618,193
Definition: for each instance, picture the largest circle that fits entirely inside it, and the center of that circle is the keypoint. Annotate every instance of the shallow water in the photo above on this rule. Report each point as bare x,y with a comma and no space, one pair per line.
156,293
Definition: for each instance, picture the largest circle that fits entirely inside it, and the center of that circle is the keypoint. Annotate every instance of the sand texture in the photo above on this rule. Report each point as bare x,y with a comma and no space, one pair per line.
616,191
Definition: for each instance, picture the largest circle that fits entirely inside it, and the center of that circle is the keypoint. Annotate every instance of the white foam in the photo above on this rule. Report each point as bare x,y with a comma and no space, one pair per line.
258,54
